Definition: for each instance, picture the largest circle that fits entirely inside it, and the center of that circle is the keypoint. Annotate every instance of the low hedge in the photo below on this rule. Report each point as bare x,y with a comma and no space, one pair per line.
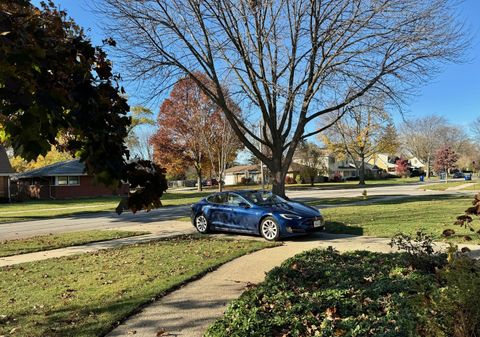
324,293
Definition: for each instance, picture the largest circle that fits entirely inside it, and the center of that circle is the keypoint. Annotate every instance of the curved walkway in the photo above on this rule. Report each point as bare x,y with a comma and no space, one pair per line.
191,309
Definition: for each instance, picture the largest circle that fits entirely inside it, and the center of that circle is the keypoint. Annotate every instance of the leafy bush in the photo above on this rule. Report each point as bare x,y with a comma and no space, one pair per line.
466,220
289,180
455,310
299,179
324,293
245,181
419,250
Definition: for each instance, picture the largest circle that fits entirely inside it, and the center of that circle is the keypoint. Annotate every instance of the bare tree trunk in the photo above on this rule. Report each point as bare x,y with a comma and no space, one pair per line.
278,182
362,171
221,171
428,168
279,168
199,179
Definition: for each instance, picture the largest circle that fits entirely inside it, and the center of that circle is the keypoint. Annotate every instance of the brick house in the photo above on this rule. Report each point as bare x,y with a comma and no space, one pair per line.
5,174
63,180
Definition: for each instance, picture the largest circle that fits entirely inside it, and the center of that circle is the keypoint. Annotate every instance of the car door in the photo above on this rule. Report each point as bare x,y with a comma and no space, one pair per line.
242,216
217,212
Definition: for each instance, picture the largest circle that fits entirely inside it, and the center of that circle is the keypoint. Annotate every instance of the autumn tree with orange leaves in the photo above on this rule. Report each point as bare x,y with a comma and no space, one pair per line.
192,131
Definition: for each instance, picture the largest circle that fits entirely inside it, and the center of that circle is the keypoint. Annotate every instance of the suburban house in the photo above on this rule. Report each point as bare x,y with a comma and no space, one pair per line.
333,167
63,180
329,166
387,163
5,174
241,174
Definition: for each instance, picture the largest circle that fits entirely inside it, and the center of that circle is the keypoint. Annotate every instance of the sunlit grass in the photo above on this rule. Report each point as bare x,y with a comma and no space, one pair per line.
86,295
432,214
53,241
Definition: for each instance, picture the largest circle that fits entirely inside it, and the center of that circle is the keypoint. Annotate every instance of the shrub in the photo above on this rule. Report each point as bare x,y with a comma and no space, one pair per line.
455,310
324,293
419,250
289,180
299,179
337,178
246,181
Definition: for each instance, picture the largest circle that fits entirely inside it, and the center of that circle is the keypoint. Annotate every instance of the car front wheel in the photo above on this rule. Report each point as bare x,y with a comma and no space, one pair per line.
269,229
201,224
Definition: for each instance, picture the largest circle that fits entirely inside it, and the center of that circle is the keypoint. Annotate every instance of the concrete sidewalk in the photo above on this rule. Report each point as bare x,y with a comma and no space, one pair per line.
158,231
191,309
460,187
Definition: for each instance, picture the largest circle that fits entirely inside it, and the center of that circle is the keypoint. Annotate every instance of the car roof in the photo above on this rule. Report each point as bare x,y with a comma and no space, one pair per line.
241,192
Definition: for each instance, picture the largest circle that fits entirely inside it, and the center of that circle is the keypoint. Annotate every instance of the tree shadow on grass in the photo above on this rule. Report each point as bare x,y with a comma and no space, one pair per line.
336,227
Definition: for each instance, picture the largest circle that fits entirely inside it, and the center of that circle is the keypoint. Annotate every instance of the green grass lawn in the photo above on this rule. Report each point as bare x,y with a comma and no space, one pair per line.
432,214
443,186
343,201
183,198
53,241
475,187
327,185
50,208
86,295
354,184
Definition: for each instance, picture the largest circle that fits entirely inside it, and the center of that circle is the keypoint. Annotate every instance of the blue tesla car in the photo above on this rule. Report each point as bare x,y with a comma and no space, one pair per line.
256,212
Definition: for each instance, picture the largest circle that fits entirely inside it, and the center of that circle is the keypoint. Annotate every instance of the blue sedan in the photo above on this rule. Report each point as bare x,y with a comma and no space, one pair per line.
255,212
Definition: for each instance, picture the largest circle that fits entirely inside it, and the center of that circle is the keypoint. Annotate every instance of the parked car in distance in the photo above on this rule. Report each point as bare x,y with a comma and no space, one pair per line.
210,182
458,175
255,212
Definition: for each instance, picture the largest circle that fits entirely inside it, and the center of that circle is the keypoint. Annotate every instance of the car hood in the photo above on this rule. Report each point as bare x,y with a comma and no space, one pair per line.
294,208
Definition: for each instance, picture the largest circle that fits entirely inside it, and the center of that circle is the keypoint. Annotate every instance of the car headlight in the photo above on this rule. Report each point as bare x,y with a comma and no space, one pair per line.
290,216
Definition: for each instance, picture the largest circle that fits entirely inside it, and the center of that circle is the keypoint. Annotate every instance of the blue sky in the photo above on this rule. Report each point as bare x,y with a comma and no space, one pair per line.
454,93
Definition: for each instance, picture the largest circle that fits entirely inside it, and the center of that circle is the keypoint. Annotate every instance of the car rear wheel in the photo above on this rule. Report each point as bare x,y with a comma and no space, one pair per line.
201,224
269,229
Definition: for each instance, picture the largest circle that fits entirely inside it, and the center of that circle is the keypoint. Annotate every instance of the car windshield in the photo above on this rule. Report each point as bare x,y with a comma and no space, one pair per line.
264,198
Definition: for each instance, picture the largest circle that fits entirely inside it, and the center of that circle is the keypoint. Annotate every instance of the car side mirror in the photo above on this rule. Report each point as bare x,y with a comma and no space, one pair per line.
244,205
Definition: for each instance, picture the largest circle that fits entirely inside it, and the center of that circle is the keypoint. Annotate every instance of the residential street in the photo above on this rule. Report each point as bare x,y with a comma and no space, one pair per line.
142,220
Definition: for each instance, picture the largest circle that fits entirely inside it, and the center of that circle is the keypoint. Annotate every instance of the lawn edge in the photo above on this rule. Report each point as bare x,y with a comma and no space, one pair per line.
74,245
181,284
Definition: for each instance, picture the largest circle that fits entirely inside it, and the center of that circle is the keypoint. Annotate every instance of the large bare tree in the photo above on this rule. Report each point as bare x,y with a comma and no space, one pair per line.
422,137
286,62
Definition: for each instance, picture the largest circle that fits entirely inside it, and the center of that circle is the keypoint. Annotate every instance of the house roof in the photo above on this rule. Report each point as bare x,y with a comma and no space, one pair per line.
296,167
242,169
5,167
64,168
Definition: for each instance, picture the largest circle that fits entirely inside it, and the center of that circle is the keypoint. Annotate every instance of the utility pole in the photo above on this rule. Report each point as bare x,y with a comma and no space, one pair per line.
262,176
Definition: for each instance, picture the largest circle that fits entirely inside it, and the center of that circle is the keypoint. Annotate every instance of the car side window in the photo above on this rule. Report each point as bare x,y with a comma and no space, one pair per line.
235,199
217,198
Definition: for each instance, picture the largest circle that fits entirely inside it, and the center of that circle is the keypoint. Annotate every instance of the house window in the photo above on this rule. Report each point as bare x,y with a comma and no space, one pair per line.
65,181
73,180
62,181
